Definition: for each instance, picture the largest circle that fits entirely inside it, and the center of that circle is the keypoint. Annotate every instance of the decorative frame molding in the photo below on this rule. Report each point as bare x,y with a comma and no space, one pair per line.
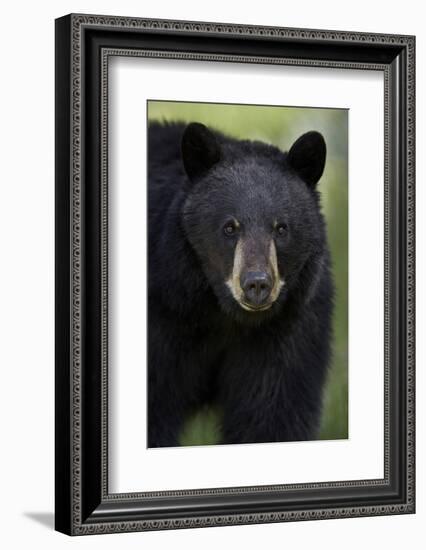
84,43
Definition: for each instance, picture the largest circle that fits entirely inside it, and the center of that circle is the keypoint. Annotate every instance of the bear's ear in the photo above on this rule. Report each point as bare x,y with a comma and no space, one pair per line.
307,157
200,150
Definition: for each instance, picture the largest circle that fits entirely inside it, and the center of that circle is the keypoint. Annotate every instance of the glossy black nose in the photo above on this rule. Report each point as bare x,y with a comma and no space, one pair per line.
257,287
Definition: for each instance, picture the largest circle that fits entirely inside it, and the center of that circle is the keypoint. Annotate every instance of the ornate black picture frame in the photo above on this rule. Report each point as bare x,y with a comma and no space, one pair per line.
84,44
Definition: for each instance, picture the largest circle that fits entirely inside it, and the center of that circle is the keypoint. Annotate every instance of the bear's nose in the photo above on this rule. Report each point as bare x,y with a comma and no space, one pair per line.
257,286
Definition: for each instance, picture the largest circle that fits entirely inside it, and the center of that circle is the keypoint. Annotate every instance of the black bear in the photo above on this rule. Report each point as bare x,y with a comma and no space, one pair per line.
239,286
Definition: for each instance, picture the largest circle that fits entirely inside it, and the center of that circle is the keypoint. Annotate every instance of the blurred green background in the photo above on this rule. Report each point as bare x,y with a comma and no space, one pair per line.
281,126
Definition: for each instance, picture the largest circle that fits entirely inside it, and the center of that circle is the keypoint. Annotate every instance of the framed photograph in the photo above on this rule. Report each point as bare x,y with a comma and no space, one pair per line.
234,274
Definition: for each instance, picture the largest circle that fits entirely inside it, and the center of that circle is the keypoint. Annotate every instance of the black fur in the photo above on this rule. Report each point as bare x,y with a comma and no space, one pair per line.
266,370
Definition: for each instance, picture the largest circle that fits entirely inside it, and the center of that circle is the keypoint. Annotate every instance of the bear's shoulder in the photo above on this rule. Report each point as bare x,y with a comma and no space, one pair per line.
164,140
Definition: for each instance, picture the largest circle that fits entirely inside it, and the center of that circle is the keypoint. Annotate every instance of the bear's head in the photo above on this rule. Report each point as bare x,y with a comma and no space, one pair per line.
252,215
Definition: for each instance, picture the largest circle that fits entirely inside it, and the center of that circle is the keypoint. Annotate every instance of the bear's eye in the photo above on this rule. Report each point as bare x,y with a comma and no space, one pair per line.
281,229
229,228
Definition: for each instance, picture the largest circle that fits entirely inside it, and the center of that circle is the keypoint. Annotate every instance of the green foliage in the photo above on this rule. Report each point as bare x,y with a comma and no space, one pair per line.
203,428
281,126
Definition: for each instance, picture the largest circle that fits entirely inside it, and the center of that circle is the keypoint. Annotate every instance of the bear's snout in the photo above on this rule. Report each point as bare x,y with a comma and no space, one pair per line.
257,287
